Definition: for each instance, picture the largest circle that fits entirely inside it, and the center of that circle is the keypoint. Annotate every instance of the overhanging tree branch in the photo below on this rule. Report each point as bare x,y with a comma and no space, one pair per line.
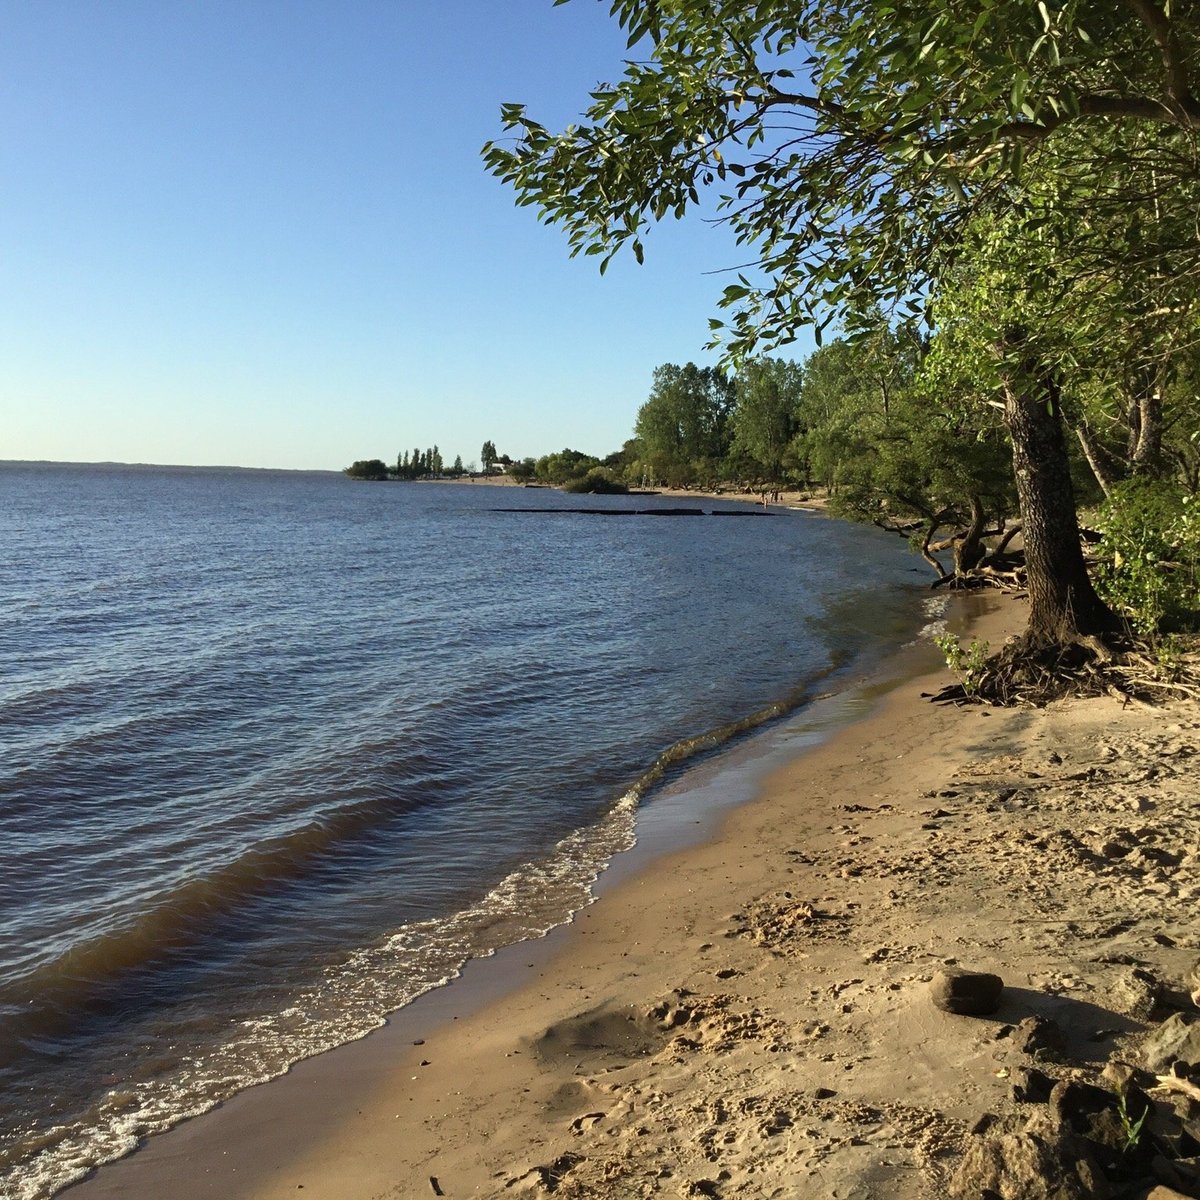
1166,39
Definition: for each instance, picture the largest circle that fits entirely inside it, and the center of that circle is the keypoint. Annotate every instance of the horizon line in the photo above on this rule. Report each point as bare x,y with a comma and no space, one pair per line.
66,462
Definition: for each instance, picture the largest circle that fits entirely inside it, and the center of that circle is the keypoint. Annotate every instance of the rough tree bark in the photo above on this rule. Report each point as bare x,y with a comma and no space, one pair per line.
1063,605
1104,466
969,549
1146,455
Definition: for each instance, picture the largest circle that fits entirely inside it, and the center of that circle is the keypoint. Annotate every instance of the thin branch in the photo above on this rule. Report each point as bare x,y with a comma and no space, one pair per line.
1161,29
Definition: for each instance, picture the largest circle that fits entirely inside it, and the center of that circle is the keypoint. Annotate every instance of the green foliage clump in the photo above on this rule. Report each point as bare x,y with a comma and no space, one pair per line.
1131,1128
1149,555
367,468
564,465
967,662
598,481
523,470
683,428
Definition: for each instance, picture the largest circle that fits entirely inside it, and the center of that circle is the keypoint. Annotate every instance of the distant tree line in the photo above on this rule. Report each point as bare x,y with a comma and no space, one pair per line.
884,423
417,464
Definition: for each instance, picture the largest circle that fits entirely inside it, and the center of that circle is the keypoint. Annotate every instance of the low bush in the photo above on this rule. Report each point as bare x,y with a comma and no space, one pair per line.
599,481
1149,555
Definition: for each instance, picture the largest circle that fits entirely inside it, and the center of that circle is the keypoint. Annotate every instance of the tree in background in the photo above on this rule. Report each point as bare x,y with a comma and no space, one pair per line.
564,465
837,412
763,419
488,457
367,468
683,426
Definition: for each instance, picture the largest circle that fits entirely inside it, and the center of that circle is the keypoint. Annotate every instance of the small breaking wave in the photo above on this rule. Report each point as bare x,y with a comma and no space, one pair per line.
352,999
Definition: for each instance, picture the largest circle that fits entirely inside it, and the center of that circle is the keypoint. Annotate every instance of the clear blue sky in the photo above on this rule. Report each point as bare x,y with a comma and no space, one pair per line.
259,233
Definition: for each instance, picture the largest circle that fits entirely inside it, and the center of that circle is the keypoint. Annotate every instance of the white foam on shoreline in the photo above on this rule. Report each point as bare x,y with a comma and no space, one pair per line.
934,609
353,999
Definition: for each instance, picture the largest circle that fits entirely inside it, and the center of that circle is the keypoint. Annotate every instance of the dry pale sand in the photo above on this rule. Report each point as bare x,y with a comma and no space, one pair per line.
787,498
751,1017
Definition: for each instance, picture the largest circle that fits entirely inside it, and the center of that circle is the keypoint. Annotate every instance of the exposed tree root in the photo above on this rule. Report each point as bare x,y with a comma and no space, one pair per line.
1005,571
1126,668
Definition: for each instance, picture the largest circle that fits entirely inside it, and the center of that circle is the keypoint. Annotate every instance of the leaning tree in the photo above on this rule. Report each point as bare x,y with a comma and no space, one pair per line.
852,144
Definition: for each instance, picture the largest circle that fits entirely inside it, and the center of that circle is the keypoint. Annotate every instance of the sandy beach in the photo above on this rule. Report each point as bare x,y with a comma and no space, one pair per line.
752,1016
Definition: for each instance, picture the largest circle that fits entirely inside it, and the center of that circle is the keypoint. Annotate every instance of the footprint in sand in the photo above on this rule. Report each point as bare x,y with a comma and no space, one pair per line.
584,1123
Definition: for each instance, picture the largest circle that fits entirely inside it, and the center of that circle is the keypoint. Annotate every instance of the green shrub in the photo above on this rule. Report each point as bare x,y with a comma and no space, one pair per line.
967,662
599,481
367,468
1149,555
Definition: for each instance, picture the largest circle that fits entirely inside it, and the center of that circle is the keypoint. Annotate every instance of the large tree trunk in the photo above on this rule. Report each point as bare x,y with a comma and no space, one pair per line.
1063,604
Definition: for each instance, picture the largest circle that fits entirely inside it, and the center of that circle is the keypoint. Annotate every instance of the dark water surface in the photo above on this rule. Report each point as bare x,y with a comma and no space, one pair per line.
278,752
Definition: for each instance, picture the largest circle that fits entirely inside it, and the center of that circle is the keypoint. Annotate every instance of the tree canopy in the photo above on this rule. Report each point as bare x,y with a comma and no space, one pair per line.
684,423
848,141
367,468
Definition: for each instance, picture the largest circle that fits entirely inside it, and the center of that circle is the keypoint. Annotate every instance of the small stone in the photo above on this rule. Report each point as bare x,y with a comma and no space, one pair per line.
1039,1037
966,993
1189,1146
1073,1102
1191,983
1175,1173
824,1093
1092,1113
1118,1075
1137,993
1017,1165
1031,1086
1177,1039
